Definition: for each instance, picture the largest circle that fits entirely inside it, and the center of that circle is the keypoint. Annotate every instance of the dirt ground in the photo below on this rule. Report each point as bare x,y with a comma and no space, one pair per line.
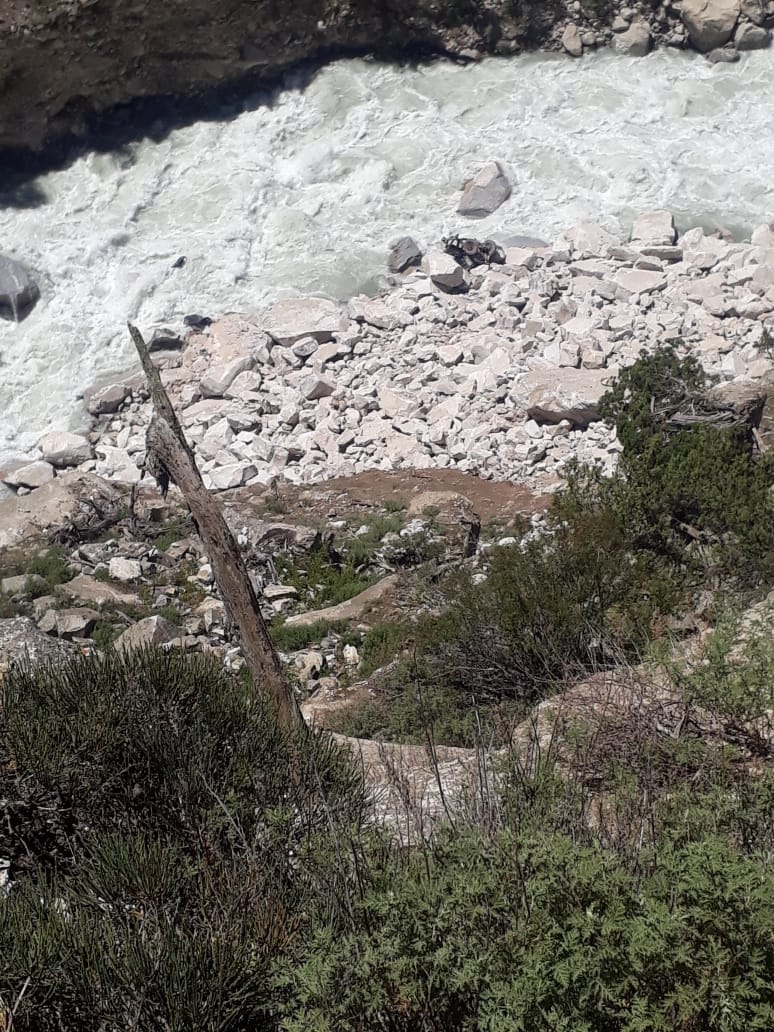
415,490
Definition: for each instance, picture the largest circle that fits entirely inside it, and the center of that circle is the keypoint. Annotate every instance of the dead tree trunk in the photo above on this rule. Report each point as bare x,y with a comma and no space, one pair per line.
173,458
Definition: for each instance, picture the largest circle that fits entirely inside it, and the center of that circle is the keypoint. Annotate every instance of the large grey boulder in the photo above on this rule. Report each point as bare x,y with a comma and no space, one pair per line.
220,377
654,227
635,41
405,253
18,290
638,281
315,387
20,639
153,630
62,449
85,588
710,23
31,475
572,395
485,192
68,623
752,37
586,240
571,40
24,583
443,270
106,399
289,320
230,476
53,505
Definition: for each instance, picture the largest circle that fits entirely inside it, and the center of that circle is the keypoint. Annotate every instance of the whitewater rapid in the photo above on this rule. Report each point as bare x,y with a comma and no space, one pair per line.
304,189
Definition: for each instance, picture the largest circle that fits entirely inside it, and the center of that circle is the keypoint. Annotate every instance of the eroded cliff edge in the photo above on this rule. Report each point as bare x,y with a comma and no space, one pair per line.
65,62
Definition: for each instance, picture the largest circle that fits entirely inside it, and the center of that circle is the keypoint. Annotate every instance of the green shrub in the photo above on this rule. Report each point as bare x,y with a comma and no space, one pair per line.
383,642
167,839
537,932
690,489
52,566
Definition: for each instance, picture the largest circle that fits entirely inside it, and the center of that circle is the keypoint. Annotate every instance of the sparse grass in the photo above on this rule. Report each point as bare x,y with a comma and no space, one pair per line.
289,638
175,530
51,564
393,505
383,642
318,581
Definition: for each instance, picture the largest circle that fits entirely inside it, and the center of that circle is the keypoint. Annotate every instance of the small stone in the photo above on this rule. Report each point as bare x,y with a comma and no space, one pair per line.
309,664
279,592
723,55
351,656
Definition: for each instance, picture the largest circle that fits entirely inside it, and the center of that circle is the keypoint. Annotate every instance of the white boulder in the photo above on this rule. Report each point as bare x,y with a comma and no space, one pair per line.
289,320
220,377
443,270
62,448
32,474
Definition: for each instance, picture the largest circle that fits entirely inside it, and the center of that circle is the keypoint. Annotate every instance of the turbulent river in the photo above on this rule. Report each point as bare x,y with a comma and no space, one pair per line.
302,191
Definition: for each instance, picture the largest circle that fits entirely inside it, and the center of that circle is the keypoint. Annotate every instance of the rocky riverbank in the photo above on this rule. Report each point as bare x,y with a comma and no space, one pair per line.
69,67
494,370
461,394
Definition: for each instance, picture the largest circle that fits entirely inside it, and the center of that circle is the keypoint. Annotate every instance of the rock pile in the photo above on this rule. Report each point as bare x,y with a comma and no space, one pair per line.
495,370
717,28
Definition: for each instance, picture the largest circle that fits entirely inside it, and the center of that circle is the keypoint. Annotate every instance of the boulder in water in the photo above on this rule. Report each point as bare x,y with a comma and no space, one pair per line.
485,192
752,37
18,290
710,23
404,254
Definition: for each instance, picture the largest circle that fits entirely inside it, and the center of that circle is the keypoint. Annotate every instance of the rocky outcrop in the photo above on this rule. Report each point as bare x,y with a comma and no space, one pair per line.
63,62
70,65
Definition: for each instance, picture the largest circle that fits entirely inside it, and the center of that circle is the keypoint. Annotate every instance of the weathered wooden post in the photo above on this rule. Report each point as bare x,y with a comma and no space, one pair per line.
170,456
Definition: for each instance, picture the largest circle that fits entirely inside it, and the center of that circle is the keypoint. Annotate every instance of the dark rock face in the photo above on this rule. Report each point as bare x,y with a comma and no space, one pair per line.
18,290
61,63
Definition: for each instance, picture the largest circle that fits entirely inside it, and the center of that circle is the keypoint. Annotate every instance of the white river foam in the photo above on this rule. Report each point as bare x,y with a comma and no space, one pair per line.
303,191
